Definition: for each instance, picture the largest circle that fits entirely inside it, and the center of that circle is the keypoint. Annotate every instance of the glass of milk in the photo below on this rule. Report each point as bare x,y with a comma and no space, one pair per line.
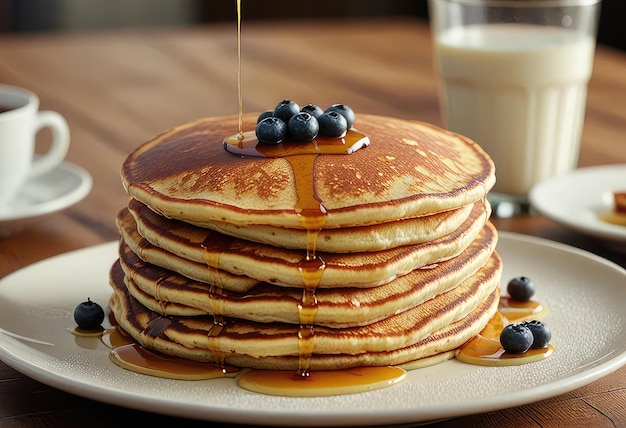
513,77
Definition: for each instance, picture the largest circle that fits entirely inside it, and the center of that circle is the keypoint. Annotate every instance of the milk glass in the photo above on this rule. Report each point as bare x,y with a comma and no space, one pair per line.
513,77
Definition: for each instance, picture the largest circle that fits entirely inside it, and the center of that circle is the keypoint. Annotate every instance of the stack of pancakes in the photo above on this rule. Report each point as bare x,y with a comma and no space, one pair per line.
381,254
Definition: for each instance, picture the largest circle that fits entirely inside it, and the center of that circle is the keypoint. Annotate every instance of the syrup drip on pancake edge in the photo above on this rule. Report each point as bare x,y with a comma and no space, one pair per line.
310,210
212,250
309,207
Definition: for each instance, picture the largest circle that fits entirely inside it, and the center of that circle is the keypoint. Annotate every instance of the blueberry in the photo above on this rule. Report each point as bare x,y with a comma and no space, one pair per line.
303,127
268,113
516,338
332,124
285,109
271,130
88,315
541,333
521,289
313,110
345,111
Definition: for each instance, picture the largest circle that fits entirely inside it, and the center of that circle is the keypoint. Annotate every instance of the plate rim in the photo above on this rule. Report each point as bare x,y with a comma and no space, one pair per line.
337,418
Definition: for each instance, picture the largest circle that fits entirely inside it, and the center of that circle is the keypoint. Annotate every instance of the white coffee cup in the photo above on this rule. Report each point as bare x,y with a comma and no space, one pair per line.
20,121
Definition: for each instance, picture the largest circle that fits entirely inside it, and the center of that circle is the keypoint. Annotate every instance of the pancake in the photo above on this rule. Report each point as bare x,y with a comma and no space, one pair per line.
160,257
189,249
375,237
169,293
438,325
410,169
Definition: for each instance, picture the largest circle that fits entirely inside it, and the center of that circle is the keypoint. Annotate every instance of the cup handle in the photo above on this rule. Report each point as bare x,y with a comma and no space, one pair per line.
60,142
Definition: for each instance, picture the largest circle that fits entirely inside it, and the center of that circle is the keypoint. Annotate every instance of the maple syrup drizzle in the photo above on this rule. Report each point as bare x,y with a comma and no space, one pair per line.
216,292
311,214
213,247
309,209
239,95
157,288
301,157
311,269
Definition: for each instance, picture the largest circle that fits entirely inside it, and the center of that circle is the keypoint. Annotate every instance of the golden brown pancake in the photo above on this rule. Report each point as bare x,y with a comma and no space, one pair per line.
169,293
186,245
439,324
375,237
410,169
160,257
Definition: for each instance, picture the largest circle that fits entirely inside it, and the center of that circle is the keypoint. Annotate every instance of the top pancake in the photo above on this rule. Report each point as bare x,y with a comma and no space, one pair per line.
410,169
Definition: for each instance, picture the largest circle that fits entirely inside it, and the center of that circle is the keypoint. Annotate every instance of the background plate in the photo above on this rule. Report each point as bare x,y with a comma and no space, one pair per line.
578,198
586,295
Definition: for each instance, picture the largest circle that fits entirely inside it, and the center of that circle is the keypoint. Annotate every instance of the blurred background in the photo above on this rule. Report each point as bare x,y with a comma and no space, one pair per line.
20,16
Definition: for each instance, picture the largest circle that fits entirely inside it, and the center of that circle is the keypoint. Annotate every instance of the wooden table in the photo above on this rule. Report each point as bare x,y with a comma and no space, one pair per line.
119,89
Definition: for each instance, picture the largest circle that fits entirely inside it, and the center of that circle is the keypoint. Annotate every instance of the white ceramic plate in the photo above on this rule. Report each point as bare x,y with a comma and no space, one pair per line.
586,295
578,198
40,196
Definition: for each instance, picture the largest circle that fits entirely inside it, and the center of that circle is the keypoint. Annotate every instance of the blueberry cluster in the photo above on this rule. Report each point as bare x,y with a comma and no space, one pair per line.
290,122
519,338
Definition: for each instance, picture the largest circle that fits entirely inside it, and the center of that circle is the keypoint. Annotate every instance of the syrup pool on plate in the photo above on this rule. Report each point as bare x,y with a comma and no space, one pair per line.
485,348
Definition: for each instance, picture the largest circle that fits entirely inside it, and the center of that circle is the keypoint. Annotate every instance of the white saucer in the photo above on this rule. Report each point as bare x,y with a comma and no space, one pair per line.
577,199
43,195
